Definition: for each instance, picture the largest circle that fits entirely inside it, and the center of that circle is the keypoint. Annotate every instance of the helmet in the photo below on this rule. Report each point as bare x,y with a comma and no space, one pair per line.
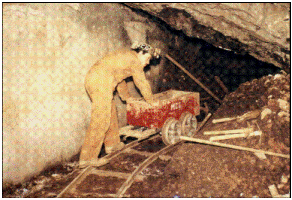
146,48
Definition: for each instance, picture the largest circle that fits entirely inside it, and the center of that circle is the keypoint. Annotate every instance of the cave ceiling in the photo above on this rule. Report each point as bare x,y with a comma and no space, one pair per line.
259,29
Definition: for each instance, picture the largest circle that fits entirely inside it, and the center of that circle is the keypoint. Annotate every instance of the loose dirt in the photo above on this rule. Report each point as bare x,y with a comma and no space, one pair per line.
197,170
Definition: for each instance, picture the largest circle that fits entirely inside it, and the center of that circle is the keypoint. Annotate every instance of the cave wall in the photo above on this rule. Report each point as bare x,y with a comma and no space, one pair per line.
259,29
47,50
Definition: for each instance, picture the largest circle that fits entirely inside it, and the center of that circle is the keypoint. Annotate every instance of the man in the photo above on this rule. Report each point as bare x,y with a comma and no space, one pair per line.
101,81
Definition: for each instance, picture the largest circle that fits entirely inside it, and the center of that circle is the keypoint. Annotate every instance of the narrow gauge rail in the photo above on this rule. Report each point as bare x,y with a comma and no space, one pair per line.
71,190
174,115
129,149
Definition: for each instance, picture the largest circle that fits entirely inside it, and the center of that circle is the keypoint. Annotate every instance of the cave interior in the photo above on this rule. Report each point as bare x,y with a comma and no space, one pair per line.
207,63
230,66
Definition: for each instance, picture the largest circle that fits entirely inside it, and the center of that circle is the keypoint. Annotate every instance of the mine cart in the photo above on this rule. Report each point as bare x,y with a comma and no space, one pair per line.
174,115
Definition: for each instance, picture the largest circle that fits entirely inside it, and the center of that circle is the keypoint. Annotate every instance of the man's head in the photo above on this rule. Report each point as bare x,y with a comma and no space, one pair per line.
146,52
144,58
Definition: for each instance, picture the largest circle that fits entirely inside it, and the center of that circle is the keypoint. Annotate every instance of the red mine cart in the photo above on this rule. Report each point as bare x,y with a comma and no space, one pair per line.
174,114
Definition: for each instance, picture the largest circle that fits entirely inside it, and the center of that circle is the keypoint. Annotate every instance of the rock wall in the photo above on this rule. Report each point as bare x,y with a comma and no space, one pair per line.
260,29
47,50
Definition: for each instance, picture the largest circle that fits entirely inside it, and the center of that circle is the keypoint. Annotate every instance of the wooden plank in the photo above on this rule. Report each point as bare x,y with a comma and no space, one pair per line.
121,175
232,136
136,133
124,130
244,130
247,116
227,119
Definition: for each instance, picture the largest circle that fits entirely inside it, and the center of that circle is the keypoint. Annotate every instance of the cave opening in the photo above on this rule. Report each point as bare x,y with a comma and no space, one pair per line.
207,63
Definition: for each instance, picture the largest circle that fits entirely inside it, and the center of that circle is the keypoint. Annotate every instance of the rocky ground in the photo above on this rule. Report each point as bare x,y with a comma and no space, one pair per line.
198,170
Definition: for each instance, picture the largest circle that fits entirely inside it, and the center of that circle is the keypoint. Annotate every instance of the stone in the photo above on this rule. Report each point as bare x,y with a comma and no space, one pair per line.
284,105
284,115
273,104
267,83
265,112
278,76
269,124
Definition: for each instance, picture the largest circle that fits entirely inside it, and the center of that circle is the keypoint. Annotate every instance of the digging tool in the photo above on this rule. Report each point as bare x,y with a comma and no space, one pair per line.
230,134
247,116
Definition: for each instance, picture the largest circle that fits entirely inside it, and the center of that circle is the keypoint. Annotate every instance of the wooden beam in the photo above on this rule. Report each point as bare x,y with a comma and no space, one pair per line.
247,116
221,84
227,119
232,136
204,122
192,77
232,146
243,130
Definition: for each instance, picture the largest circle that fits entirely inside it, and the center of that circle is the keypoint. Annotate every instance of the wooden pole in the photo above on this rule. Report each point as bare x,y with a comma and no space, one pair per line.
192,77
232,136
227,119
204,122
247,116
243,130
232,146
221,84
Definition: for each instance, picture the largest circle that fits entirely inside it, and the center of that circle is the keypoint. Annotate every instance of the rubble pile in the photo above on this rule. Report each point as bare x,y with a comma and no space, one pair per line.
231,173
270,94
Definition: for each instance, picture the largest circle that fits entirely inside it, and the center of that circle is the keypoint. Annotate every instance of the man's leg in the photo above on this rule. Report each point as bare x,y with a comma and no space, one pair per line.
99,124
112,138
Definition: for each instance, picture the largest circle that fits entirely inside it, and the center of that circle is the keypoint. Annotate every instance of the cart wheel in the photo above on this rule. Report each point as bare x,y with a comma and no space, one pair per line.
188,124
171,131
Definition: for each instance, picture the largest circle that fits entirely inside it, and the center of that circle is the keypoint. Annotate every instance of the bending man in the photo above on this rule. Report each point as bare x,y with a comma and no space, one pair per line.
101,81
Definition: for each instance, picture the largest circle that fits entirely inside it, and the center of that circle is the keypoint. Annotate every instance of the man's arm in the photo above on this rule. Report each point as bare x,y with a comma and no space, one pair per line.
143,85
123,91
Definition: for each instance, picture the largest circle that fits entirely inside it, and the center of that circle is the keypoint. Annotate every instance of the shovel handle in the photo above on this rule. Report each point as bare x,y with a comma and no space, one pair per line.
214,121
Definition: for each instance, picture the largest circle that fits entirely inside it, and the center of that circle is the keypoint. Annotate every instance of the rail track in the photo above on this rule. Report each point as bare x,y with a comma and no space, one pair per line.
125,173
107,171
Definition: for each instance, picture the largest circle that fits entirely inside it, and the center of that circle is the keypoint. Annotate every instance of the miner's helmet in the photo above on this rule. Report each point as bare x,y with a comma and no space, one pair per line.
146,48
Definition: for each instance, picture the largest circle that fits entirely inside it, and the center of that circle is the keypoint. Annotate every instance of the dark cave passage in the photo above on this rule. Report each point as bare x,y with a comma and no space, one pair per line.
206,62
